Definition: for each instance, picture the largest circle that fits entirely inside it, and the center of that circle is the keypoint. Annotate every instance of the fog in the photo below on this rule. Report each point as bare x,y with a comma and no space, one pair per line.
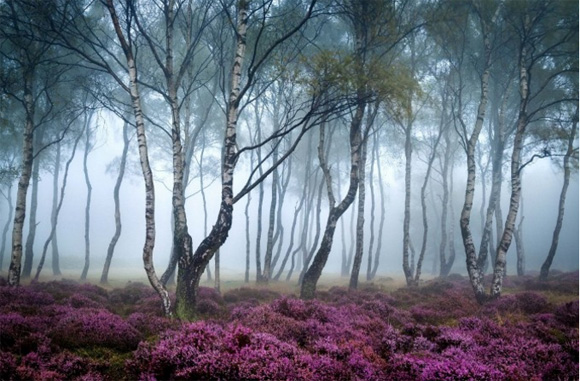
542,183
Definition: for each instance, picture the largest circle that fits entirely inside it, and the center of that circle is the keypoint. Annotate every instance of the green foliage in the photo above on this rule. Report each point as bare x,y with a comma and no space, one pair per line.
332,71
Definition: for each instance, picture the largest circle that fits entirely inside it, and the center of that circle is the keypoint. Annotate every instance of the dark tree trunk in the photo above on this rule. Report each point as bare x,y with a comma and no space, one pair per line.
313,273
545,269
116,191
360,219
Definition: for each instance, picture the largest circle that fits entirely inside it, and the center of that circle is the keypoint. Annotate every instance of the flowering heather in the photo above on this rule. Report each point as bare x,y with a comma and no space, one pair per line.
69,331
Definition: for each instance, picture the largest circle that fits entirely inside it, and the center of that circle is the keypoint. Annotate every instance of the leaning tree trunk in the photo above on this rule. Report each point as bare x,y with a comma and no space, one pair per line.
116,191
310,279
23,182
145,166
88,204
555,237
58,206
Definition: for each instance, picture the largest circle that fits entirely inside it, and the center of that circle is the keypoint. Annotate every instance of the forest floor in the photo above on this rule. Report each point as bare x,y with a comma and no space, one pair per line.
65,329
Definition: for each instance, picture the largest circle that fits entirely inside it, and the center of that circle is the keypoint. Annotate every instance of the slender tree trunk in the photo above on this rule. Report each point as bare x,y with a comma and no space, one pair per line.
360,219
271,223
313,273
145,166
314,244
344,258
282,190
303,201
407,267
352,240
32,224
519,235
24,181
373,206
443,260
247,215
88,204
54,217
383,213
291,244
217,271
561,204
516,186
424,203
116,198
8,197
58,206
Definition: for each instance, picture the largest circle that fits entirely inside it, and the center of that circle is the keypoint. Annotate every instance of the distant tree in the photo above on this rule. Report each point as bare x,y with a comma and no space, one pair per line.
570,163
116,199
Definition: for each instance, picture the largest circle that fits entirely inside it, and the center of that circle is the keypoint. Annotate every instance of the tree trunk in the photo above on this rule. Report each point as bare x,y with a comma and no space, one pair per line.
407,267
192,264
58,206
217,271
555,237
314,244
424,204
383,213
372,225
360,219
32,224
506,237
23,182
443,266
313,273
519,235
473,269
88,204
116,191
247,215
271,223
54,214
145,166
299,209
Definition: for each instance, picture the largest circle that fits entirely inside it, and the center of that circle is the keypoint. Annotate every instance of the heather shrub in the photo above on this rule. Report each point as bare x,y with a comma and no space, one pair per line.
88,327
22,334
567,314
